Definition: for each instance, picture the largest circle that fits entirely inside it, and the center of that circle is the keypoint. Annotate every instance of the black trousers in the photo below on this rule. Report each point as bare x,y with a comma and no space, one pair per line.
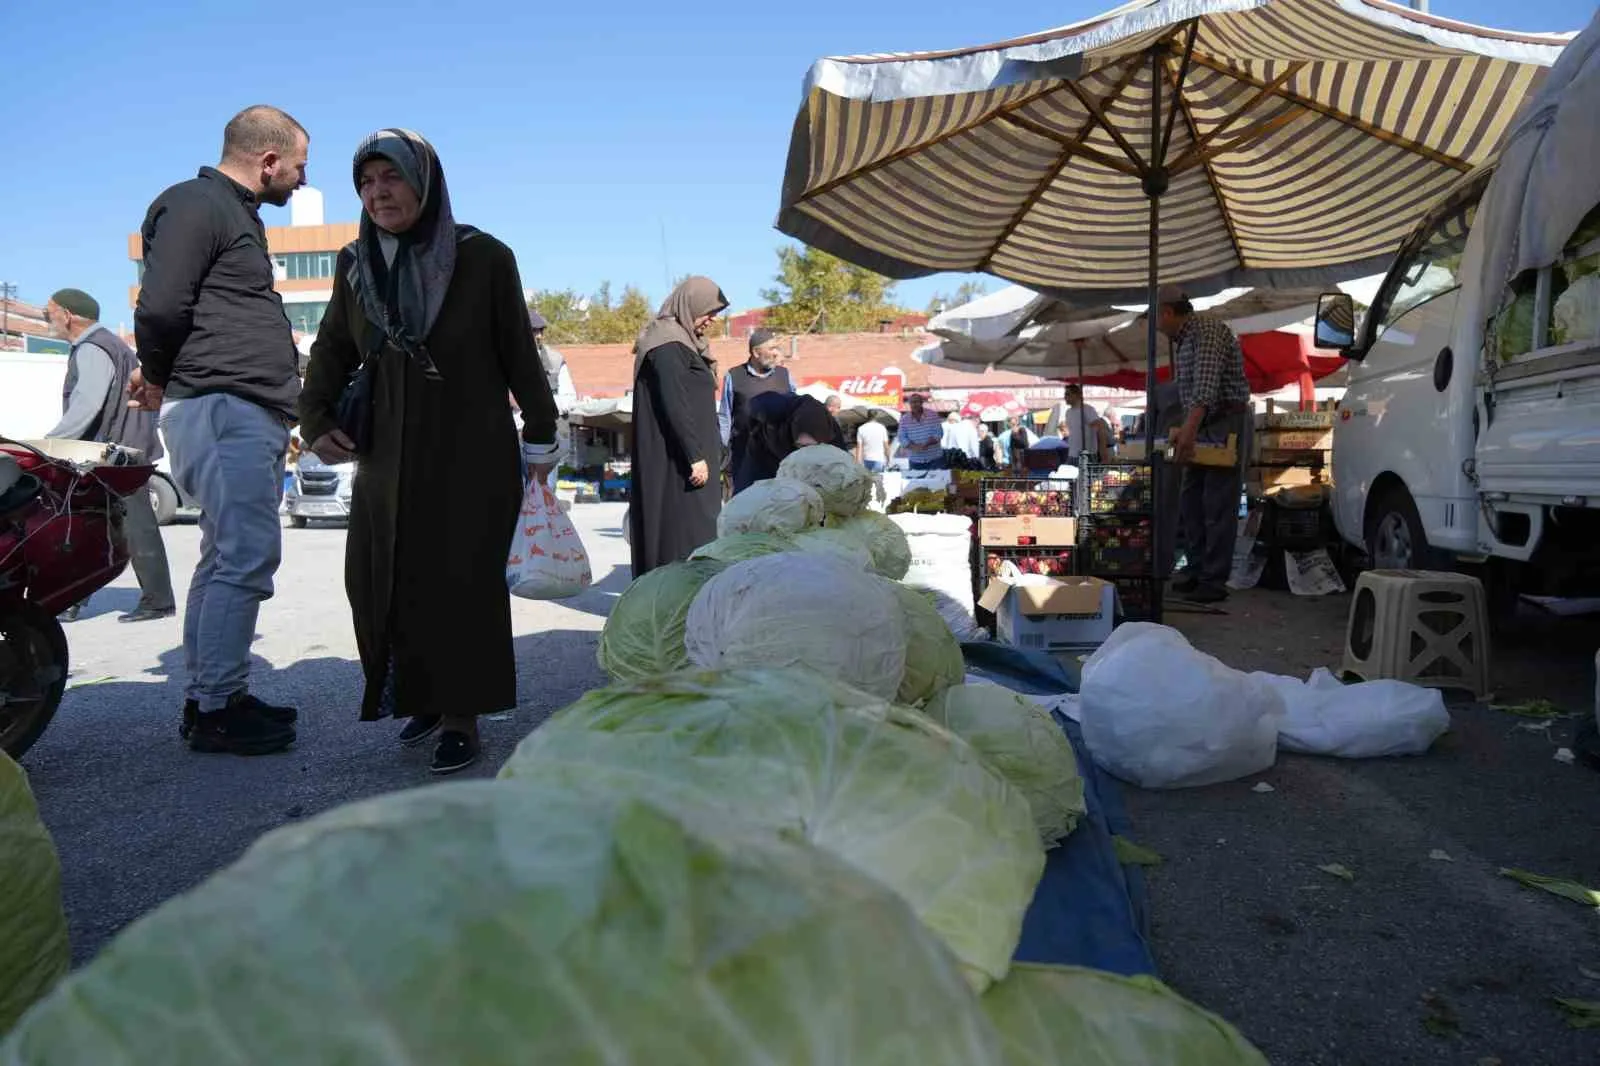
1208,504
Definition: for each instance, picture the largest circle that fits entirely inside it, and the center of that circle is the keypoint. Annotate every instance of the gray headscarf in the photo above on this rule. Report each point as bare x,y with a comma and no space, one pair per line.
402,296
695,298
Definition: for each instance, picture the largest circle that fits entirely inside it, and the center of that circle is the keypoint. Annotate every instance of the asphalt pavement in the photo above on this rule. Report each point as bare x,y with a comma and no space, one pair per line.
1426,956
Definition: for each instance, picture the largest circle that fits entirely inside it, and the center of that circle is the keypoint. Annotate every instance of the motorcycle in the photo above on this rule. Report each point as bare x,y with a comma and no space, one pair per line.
61,540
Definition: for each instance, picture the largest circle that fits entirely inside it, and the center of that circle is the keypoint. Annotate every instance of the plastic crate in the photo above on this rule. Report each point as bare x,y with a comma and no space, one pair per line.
1136,598
1014,497
1111,544
1052,562
1294,528
1119,489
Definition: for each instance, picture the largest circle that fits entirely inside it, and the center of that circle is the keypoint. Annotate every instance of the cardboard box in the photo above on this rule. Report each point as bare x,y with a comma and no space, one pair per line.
1295,440
1215,454
1052,613
1028,531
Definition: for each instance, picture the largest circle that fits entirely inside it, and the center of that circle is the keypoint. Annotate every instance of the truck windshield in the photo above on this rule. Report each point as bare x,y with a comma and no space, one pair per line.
1433,267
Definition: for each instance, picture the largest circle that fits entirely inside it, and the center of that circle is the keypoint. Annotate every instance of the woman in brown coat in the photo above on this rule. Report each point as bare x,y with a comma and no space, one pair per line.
439,489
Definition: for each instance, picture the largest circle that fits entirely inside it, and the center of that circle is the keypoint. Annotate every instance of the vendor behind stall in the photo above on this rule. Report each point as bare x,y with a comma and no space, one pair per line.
780,423
921,434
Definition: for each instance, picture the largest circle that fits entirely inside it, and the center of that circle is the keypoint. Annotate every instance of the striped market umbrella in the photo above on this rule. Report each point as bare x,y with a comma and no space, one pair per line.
1210,143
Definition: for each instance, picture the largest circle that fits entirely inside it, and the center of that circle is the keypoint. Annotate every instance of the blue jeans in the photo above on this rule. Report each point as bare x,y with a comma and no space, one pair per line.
228,455
872,466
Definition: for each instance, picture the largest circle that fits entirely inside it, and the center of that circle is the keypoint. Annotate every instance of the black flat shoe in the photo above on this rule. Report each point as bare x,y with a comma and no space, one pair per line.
420,728
147,614
279,715
456,752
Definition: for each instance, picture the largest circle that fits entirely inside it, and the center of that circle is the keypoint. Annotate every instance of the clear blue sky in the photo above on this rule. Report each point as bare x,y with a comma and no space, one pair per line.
575,132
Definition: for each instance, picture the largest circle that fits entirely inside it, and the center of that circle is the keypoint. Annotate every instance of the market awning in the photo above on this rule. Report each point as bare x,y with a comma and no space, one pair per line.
603,414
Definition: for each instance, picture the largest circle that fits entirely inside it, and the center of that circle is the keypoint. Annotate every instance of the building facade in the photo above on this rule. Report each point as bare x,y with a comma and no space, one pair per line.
303,257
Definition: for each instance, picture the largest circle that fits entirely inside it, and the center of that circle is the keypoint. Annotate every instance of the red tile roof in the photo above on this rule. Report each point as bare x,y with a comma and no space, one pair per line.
600,370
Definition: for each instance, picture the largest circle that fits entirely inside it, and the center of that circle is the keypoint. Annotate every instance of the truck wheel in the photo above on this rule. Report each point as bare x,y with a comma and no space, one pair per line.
163,500
1394,536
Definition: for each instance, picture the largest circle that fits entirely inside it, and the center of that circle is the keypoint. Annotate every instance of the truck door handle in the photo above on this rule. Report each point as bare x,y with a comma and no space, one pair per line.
1443,367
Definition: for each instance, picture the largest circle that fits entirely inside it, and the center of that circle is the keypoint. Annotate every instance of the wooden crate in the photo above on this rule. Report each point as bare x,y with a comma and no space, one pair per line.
1263,479
1322,418
1294,440
1273,457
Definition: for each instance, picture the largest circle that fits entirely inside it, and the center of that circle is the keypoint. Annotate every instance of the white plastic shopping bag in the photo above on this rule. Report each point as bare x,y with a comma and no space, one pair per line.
1369,720
547,559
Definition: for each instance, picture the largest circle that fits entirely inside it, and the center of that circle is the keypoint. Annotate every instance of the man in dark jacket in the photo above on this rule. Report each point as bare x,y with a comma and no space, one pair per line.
756,376
94,408
218,361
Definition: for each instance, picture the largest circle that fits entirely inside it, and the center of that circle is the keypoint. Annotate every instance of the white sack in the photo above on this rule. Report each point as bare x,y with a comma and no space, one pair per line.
1365,721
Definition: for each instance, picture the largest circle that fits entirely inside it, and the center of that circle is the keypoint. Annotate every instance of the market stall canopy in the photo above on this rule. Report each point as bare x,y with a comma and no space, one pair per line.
1098,344
603,414
1308,137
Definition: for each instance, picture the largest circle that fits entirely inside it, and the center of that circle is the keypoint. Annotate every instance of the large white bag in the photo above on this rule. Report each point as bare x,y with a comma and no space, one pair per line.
1366,721
1159,714
941,563
548,561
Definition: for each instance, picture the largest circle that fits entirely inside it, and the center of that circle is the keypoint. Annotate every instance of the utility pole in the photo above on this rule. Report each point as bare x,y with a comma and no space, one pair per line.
7,292
1420,5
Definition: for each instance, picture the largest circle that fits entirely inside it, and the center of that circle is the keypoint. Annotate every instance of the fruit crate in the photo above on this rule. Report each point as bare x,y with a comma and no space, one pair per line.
1113,544
1116,489
1015,497
1051,562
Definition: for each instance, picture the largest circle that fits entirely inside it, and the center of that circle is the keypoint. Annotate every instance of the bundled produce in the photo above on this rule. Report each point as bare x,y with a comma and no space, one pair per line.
920,501
1050,503
844,484
806,758
841,546
1020,739
933,657
737,547
887,543
800,609
643,635
33,928
1049,562
498,924
777,505
1066,1014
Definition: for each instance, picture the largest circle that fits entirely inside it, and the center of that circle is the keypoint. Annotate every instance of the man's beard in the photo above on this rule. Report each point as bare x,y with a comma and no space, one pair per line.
275,196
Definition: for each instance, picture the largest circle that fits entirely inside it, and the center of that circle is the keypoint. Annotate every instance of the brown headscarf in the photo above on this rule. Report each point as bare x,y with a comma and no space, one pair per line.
695,298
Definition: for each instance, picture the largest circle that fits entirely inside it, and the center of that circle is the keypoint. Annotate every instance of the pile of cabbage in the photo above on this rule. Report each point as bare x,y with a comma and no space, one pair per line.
787,833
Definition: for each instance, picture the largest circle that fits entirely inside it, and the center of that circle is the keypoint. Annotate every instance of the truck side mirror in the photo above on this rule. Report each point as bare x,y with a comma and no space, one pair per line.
1335,322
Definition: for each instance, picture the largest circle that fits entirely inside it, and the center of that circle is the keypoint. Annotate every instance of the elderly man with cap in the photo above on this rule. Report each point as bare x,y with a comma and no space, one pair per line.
756,375
1215,398
95,408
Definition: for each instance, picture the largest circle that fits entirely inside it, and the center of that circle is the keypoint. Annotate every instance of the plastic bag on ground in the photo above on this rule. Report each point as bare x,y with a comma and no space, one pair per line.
548,561
1370,720
1159,714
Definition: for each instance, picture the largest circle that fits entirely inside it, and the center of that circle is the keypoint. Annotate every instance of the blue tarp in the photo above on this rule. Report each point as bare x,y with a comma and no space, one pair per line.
1089,909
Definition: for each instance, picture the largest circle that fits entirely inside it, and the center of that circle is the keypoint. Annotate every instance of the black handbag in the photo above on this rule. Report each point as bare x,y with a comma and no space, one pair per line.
354,411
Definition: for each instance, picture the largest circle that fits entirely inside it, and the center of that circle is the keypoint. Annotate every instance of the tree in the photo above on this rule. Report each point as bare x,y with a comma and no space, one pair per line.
821,293
966,292
596,319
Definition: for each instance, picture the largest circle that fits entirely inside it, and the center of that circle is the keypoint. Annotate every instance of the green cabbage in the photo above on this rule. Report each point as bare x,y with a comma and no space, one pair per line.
1064,1014
1022,741
737,547
33,928
801,609
844,484
891,551
881,786
643,635
839,545
498,924
777,505
933,656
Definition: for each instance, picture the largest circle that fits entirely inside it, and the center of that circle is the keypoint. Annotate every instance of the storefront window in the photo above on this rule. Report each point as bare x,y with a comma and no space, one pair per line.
305,317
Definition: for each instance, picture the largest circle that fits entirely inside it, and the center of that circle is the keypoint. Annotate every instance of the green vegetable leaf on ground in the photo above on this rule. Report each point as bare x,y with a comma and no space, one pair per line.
1131,854
1339,870
1558,886
1581,1013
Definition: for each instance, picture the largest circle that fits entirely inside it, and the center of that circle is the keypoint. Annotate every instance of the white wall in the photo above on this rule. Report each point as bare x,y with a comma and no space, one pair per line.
30,393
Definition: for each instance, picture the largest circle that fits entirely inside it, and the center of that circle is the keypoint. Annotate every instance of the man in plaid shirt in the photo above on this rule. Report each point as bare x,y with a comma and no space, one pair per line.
1216,400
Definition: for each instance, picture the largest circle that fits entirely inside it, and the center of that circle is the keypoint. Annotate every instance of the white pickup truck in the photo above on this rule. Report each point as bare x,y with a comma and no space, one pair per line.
1470,432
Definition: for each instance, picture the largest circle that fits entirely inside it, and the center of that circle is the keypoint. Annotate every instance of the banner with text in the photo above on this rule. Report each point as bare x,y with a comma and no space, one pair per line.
879,390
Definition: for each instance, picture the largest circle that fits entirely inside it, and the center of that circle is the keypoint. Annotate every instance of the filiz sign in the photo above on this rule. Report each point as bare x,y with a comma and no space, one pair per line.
880,390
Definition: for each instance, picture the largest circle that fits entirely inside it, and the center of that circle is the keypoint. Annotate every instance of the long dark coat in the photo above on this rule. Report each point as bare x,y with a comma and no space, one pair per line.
674,426
437,500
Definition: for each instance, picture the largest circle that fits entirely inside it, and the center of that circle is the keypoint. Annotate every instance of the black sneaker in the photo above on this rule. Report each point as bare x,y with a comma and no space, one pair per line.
280,715
456,751
71,613
1185,584
239,729
1208,594
419,729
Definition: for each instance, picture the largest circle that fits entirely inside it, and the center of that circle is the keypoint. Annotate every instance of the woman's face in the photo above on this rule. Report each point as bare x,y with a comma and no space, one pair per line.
703,323
391,203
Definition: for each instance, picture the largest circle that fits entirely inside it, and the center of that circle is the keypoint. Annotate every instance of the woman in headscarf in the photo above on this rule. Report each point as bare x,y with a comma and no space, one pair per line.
782,422
677,442
437,309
